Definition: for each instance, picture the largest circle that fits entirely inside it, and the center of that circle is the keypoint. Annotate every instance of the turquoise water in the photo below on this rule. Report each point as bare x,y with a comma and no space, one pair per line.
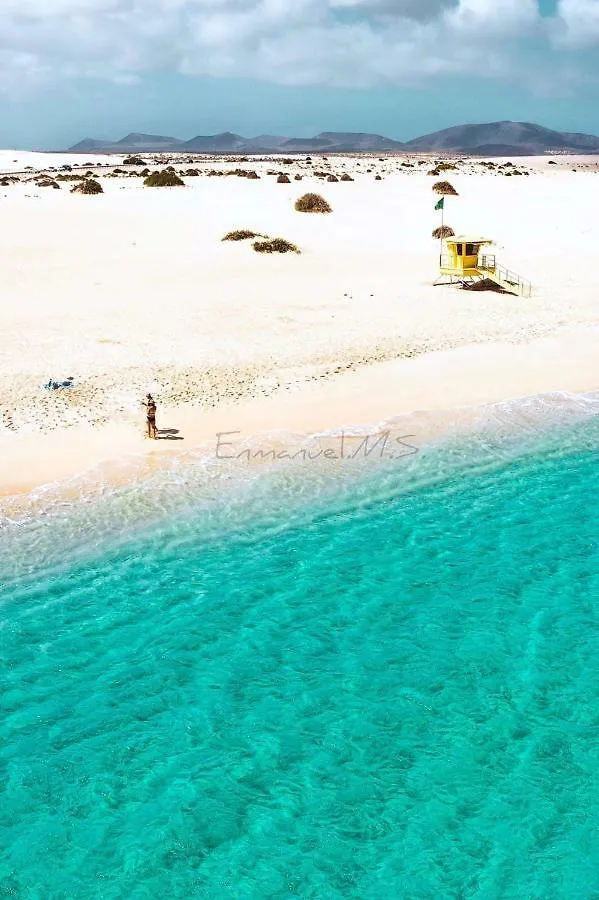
387,688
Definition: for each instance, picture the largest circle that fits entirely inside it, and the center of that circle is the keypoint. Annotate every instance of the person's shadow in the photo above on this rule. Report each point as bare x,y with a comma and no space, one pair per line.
168,434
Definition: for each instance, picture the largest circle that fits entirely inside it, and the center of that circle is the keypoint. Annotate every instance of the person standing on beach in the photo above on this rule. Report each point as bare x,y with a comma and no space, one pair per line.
150,405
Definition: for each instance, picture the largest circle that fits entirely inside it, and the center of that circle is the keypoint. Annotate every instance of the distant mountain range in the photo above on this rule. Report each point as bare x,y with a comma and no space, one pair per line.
493,139
334,142
504,139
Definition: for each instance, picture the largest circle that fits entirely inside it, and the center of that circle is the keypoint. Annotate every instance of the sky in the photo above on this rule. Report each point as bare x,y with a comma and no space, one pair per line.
71,69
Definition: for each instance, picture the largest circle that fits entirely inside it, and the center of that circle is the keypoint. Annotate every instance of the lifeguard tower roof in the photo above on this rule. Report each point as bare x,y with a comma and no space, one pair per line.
468,239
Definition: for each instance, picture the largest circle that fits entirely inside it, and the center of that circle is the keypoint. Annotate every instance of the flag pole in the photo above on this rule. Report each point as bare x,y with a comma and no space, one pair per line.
442,224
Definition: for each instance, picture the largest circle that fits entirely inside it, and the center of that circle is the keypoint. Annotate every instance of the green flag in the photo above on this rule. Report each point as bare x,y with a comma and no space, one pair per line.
441,203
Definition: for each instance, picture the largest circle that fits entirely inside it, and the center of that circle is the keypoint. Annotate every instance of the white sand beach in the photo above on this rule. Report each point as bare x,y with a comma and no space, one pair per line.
133,290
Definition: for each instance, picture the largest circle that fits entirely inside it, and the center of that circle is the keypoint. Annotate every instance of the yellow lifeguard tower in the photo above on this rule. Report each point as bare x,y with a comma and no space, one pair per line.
462,262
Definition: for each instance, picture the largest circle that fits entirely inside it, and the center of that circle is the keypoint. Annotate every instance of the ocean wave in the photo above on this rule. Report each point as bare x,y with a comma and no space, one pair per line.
271,480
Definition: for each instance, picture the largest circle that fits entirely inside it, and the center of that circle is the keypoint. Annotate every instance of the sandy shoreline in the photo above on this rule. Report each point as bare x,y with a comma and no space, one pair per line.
453,381
134,290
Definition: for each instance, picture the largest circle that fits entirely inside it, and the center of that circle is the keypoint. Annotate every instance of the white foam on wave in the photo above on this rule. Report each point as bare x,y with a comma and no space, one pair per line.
245,499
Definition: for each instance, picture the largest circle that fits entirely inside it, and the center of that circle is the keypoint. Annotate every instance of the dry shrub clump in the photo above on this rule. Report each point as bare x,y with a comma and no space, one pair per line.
332,178
446,167
297,177
283,179
241,235
443,232
377,178
88,186
312,203
275,245
134,161
445,188
165,178
48,182
242,173
346,177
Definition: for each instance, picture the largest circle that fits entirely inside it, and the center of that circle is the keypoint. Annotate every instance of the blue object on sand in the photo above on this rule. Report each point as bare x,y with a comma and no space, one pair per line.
56,385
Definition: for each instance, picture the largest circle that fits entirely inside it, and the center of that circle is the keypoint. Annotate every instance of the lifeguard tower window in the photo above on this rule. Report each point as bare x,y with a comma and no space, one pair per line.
460,249
471,250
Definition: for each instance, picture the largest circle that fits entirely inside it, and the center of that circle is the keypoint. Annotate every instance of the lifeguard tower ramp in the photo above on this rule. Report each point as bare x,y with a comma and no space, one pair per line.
463,263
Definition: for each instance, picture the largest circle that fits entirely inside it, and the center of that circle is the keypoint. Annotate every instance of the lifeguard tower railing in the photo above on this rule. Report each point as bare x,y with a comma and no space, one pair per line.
488,267
505,277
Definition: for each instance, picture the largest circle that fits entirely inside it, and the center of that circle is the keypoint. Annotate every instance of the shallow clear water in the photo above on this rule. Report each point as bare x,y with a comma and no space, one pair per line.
383,685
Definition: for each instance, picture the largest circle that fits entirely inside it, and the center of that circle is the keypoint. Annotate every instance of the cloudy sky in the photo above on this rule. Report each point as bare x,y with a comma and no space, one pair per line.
100,68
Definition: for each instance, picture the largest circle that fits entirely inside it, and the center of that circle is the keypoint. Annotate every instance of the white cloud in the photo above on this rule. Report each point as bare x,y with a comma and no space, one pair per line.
577,23
329,42
509,18
409,9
